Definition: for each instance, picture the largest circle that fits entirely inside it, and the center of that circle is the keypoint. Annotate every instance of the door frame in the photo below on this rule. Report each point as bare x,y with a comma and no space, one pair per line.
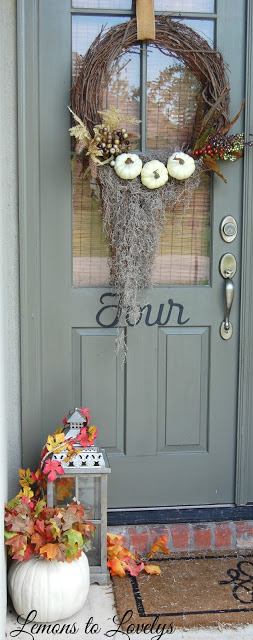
30,249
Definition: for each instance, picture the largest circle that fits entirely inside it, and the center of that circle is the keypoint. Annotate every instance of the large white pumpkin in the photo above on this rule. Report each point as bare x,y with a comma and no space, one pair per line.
56,590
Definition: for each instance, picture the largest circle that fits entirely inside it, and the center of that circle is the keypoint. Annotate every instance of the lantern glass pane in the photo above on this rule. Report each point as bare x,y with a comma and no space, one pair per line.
64,491
89,494
94,554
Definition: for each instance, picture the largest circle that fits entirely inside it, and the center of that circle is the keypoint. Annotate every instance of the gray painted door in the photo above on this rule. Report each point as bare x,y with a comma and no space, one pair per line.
168,417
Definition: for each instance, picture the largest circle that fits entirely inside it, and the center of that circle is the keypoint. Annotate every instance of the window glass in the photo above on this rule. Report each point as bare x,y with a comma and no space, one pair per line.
172,89
203,6
102,4
200,6
123,89
172,93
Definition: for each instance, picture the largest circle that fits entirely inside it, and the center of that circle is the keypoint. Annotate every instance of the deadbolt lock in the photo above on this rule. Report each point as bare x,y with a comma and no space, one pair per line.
228,229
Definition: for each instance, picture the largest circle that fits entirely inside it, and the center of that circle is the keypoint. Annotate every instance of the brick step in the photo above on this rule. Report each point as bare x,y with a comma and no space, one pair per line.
188,537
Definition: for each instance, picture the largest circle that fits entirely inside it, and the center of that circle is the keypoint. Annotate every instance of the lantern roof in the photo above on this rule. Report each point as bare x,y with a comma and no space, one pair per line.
76,417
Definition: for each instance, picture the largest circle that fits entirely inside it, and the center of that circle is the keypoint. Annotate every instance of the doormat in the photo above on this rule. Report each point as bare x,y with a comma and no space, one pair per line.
192,591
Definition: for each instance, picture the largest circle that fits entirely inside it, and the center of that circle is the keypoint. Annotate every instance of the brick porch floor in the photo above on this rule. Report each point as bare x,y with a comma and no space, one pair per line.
188,537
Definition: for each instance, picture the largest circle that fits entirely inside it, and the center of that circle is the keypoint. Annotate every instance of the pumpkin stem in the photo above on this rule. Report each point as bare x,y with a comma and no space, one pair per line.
156,174
129,161
180,160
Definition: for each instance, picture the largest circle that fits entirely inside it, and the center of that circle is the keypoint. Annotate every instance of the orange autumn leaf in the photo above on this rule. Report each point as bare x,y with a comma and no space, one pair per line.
113,550
112,538
71,453
211,164
152,569
159,545
116,567
125,552
49,551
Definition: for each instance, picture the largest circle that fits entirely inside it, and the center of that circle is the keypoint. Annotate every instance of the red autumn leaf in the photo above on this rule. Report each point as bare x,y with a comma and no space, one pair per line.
77,509
26,500
85,413
42,536
40,527
83,437
38,541
46,514
18,544
37,476
52,468
28,552
132,566
159,545
19,523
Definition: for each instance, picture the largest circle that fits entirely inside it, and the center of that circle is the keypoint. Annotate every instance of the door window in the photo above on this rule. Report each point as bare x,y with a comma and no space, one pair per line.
166,103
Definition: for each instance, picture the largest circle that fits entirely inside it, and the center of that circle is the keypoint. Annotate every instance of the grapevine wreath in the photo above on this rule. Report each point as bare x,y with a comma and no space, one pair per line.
135,188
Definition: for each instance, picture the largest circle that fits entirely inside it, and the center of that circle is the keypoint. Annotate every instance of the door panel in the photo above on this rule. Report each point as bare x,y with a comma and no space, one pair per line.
183,426
170,413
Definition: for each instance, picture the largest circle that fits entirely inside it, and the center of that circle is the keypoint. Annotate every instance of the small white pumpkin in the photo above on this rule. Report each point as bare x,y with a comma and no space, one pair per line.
56,590
180,165
128,166
154,174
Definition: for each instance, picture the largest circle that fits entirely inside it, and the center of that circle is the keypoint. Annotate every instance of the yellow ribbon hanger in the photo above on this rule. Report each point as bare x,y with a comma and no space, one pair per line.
145,19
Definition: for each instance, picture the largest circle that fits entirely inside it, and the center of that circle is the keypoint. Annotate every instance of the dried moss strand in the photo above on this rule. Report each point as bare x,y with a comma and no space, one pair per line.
134,218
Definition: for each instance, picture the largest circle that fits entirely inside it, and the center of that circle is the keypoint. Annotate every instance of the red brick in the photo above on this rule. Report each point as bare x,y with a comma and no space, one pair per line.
244,534
223,536
180,536
139,540
202,537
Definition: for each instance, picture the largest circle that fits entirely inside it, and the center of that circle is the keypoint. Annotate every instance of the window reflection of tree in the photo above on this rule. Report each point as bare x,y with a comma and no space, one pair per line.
172,101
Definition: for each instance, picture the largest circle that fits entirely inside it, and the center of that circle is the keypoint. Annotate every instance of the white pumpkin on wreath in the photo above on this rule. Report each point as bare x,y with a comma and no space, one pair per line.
154,174
128,166
180,165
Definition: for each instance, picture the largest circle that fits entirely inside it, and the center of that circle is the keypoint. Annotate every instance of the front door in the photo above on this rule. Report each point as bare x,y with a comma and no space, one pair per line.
167,417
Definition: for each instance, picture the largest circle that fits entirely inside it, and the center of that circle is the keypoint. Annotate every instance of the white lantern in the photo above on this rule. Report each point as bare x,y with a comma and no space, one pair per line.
85,477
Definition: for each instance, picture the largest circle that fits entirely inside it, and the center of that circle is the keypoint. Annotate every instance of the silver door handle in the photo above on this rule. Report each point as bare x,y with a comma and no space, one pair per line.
226,328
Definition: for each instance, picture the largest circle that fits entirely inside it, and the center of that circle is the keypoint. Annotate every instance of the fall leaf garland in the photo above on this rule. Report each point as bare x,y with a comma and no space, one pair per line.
121,560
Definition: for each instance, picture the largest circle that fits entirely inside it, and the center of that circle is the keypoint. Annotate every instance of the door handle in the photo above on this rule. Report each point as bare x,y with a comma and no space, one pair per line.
227,270
226,328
